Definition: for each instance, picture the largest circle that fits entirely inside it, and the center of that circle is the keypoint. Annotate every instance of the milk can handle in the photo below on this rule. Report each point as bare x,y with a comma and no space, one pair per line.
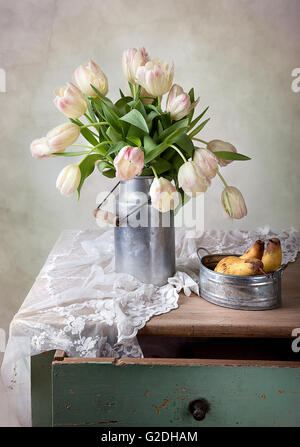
204,249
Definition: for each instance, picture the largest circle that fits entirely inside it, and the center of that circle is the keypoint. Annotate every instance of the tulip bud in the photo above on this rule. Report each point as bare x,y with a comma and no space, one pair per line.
191,179
207,162
132,59
164,195
68,180
179,103
88,74
70,101
220,146
233,202
62,136
40,149
155,77
129,163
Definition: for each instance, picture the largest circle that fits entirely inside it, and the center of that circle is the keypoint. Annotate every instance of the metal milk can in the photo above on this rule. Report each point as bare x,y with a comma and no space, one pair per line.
145,238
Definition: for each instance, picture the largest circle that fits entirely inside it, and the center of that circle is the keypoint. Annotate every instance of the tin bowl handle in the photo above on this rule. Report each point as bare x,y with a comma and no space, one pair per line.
282,268
204,249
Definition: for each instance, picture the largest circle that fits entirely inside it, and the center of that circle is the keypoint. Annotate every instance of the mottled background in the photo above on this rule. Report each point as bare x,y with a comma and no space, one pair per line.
238,54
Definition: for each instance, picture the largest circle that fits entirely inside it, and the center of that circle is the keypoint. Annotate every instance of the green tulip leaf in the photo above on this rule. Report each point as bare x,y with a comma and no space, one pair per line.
140,107
110,173
184,199
113,135
166,120
135,141
160,165
87,166
88,135
177,125
149,144
198,128
135,118
113,119
192,99
106,169
196,120
116,147
156,151
103,98
122,105
185,143
226,155
92,115
153,114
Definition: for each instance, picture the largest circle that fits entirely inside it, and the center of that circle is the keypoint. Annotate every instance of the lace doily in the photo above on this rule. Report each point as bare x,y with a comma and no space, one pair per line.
78,304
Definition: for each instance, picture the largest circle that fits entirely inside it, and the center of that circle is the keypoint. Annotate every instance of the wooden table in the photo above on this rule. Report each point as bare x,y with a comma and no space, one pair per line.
240,362
196,317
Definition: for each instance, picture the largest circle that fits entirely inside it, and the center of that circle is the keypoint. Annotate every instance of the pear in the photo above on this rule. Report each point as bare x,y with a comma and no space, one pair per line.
256,251
272,257
234,265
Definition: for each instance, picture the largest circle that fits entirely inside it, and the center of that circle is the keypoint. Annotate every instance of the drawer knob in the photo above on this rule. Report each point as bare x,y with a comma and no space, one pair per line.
198,408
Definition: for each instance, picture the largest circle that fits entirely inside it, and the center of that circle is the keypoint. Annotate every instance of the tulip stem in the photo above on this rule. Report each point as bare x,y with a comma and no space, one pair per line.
101,123
222,178
201,141
179,152
134,91
159,101
154,172
82,145
71,154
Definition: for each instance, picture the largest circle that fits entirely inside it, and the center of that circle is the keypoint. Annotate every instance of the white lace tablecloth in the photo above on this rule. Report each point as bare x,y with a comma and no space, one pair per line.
78,304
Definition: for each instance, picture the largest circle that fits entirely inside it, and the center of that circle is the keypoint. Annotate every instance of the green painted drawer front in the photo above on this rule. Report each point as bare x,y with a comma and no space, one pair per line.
41,389
98,394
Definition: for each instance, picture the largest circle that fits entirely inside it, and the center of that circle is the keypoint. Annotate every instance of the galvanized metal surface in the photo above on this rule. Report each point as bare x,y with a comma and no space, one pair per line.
144,241
238,292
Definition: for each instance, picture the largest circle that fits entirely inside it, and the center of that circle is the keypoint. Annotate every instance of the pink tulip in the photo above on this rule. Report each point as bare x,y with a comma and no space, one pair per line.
129,163
68,180
132,59
164,195
207,162
62,136
220,146
70,101
179,103
40,149
191,179
88,74
233,202
155,77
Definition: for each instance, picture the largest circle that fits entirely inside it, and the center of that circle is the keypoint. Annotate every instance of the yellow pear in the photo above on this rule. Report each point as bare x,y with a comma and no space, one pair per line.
233,265
256,251
272,257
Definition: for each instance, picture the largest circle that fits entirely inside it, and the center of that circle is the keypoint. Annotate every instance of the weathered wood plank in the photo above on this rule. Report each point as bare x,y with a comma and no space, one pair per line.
196,317
177,362
137,394
59,355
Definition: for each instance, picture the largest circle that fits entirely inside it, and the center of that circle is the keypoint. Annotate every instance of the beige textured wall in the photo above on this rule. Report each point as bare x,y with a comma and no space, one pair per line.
238,54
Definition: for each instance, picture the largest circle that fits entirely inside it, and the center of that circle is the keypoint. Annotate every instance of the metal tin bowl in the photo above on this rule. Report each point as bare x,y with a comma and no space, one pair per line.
238,292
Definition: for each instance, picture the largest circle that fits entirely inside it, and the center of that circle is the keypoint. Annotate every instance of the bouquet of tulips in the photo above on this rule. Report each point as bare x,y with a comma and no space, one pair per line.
136,136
